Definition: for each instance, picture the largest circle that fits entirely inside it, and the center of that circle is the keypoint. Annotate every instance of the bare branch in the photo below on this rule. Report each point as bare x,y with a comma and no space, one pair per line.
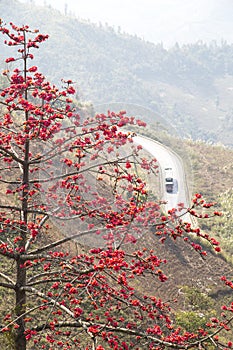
7,278
31,211
22,315
43,274
80,171
64,240
7,285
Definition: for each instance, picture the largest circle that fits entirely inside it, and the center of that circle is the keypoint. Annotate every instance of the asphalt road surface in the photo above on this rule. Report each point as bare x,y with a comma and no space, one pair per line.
168,159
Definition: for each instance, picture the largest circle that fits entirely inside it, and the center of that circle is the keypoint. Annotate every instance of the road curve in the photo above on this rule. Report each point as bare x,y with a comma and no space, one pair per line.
167,158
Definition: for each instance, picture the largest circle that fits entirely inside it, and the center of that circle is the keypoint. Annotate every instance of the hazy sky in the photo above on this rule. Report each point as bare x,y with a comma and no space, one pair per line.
157,20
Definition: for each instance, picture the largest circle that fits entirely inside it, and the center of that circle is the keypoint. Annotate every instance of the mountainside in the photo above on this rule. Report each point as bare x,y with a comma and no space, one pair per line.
134,72
188,87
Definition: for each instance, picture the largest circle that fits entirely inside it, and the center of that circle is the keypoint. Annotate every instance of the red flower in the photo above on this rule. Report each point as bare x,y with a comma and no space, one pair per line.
78,311
10,59
32,69
93,329
128,165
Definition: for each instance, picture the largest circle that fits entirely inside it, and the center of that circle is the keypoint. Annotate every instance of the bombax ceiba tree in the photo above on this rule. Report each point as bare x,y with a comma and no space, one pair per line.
68,175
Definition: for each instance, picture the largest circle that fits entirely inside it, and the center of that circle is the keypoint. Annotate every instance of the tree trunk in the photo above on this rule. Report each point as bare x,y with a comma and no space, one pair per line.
20,307
21,274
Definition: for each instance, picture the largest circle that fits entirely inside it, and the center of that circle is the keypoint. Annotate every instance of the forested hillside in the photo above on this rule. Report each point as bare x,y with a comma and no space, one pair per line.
89,257
189,87
209,170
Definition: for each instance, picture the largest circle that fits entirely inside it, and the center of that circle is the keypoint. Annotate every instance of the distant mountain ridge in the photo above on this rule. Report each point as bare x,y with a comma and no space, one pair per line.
190,21
167,21
188,88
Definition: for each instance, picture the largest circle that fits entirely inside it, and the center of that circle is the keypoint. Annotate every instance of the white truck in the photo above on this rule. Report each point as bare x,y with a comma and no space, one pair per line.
169,181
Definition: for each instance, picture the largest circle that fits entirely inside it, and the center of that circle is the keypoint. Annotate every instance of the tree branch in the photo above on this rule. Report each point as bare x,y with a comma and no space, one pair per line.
61,241
42,222
91,167
7,285
8,254
34,211
12,155
8,279
127,331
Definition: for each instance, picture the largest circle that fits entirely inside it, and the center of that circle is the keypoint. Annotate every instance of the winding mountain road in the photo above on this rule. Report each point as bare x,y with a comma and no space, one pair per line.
168,159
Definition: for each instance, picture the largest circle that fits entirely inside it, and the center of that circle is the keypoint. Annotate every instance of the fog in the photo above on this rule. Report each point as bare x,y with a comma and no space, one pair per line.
167,21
